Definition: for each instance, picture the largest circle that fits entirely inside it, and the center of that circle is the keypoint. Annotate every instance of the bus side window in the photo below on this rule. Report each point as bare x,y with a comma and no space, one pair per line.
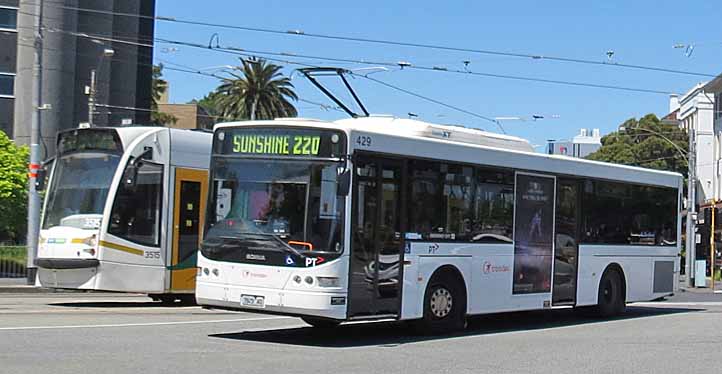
136,210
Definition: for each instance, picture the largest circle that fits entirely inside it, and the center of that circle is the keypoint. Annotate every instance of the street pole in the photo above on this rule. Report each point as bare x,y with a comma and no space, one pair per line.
33,195
91,98
691,189
711,242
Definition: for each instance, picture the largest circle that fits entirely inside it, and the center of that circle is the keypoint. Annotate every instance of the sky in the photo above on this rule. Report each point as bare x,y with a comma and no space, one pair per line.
639,32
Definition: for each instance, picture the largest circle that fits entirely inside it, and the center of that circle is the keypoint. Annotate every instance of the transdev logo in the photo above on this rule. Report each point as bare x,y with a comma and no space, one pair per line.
488,268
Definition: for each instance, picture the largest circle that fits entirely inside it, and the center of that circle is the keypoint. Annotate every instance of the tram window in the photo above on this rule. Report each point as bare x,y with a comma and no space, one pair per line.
459,203
136,209
618,213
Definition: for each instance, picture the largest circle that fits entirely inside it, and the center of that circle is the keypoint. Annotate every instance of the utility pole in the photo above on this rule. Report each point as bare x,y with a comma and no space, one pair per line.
33,195
711,240
691,222
91,98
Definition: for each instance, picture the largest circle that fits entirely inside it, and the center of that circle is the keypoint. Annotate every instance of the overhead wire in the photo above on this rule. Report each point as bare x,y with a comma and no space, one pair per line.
301,33
369,62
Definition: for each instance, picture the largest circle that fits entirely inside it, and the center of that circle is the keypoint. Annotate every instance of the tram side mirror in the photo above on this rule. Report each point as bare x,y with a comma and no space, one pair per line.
131,172
344,183
40,179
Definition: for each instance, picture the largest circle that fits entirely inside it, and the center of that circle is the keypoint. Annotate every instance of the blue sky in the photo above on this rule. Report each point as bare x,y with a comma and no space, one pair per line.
639,32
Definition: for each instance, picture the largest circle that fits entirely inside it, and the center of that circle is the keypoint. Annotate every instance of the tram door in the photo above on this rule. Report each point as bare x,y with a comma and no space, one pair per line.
566,249
191,188
377,245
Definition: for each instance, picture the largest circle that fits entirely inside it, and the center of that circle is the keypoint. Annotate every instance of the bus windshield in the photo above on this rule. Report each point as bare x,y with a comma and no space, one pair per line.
79,188
287,206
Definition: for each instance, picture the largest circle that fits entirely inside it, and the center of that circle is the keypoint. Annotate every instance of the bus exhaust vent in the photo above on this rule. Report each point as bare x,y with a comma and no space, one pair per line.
663,276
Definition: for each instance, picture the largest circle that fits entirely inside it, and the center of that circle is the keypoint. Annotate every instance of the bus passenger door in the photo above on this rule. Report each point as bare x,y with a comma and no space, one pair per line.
191,189
566,249
377,246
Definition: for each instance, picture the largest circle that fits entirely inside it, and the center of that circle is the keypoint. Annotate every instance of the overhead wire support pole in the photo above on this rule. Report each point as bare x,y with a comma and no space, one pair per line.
33,195
691,221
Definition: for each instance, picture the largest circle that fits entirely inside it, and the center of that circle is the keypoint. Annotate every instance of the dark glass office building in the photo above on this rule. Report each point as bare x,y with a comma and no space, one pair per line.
78,35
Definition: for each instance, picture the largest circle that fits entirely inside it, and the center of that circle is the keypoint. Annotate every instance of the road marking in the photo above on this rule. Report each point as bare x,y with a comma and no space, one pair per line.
141,324
673,303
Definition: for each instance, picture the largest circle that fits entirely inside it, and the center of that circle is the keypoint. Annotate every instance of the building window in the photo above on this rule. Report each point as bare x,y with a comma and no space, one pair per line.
7,83
8,18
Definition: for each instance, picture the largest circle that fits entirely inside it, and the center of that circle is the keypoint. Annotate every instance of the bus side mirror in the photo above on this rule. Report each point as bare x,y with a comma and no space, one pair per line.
344,183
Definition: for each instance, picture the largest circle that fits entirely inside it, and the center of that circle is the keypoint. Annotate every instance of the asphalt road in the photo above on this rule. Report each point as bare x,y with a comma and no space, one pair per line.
109,333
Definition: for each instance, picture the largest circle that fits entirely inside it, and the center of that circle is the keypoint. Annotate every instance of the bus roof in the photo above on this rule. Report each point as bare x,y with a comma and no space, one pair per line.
497,147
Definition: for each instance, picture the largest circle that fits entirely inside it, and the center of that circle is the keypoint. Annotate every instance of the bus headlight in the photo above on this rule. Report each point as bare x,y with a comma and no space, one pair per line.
328,282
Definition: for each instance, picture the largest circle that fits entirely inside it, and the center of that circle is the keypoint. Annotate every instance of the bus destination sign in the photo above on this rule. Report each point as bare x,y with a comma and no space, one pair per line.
281,142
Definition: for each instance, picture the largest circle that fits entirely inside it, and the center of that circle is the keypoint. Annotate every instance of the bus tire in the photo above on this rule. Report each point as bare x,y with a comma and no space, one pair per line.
611,297
321,323
444,305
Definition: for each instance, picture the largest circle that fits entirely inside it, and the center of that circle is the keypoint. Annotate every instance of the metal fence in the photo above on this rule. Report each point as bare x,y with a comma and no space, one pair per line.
12,261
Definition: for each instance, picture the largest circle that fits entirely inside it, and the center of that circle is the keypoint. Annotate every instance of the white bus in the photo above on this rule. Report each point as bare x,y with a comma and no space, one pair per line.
384,218
124,211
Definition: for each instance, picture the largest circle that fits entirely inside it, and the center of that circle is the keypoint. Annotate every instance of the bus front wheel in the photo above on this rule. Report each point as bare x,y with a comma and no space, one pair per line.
444,306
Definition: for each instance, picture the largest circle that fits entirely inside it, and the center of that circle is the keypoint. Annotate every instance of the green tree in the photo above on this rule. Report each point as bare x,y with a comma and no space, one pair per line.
13,188
259,92
159,86
209,104
647,142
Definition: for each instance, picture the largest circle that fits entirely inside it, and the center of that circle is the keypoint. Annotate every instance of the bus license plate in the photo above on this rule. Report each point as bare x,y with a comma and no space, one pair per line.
253,301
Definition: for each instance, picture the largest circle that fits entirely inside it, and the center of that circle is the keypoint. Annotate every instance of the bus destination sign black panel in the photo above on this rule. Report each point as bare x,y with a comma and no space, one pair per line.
287,142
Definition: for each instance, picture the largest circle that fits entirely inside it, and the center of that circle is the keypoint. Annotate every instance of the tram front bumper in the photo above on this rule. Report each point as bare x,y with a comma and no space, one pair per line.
275,301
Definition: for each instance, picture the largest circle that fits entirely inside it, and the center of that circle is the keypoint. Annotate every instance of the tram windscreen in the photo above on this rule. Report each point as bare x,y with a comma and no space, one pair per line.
79,187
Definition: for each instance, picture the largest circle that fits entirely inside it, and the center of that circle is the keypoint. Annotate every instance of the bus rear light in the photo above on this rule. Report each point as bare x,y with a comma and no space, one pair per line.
328,282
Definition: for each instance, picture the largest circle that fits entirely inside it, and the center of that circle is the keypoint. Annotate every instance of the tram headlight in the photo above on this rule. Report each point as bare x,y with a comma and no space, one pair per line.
328,282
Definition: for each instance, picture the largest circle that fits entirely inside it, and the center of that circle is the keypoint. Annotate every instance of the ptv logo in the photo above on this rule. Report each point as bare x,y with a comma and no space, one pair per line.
313,261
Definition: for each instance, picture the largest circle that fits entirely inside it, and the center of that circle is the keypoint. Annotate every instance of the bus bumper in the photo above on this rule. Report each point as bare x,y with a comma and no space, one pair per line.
275,301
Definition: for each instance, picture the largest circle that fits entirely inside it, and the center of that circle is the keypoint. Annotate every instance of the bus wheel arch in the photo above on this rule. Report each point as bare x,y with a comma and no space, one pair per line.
445,301
612,291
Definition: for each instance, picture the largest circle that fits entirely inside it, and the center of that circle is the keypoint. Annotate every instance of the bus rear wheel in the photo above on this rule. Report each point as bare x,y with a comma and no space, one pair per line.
611,299
321,323
444,306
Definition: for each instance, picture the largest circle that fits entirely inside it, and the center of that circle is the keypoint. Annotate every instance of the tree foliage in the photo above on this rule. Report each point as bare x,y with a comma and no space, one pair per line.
259,92
647,142
13,188
159,86
209,104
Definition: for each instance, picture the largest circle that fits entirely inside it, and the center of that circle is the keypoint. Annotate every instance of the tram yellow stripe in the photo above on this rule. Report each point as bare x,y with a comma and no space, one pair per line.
123,248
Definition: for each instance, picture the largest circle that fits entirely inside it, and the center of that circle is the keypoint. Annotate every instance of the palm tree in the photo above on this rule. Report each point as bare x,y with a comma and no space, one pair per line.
260,92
